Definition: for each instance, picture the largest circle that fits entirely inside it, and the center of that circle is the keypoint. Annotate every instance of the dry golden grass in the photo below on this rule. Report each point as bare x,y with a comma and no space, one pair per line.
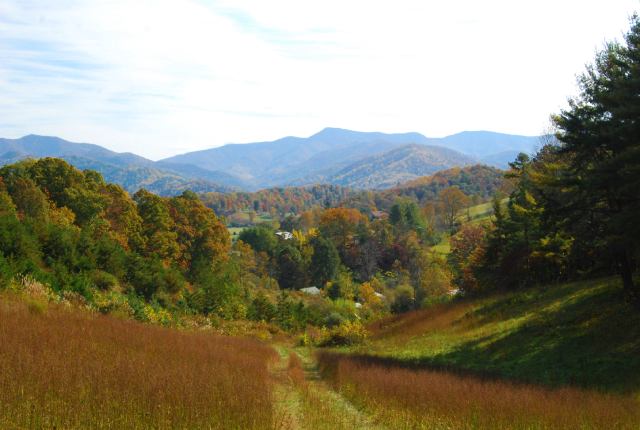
295,370
418,322
62,368
424,399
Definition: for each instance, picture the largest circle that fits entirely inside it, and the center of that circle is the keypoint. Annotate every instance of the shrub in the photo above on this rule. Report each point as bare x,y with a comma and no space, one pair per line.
103,280
347,333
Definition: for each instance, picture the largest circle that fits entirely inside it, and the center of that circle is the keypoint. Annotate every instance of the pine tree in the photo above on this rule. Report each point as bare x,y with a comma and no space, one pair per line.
600,133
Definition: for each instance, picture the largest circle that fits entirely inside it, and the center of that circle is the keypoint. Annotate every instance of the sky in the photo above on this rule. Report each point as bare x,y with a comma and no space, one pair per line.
163,77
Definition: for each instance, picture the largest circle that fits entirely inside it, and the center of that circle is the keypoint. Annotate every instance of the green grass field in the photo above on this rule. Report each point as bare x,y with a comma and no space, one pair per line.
476,214
559,357
580,334
234,232
443,247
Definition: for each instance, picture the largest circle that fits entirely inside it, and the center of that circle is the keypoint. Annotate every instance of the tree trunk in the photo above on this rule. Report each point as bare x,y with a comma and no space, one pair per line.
626,272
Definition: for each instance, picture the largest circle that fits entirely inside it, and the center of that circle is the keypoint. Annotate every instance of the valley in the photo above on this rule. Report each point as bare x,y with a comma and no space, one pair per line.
336,280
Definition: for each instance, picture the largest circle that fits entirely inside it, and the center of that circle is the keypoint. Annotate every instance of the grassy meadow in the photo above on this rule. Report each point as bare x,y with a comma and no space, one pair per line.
581,334
63,368
565,356
402,398
560,357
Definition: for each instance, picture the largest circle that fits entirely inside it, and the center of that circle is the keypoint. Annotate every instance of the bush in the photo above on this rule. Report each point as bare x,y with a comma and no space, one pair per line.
404,299
103,280
347,333
113,303
334,319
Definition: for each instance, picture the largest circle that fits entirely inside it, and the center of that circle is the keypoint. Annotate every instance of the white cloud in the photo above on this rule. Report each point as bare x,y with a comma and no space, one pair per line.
158,77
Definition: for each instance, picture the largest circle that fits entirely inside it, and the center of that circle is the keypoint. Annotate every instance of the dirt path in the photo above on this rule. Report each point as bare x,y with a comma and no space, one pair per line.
311,403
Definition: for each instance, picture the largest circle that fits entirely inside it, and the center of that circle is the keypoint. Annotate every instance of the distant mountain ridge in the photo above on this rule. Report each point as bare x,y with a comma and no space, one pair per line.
320,157
331,156
130,171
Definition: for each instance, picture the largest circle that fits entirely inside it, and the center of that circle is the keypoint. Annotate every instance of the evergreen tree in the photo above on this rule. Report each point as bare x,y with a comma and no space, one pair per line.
599,135
324,262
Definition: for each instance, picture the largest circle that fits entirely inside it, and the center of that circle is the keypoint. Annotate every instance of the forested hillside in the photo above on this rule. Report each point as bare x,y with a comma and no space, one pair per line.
397,166
478,181
73,237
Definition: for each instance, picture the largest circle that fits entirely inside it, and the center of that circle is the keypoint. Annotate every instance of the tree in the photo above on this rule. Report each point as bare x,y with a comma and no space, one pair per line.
158,226
405,214
200,235
341,226
467,252
291,273
324,262
451,201
599,135
261,238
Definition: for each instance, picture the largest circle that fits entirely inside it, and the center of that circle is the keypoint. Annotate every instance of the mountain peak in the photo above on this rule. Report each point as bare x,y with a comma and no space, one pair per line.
336,133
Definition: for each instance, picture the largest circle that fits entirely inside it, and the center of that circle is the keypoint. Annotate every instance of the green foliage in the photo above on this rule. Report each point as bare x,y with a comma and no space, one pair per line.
404,299
92,244
324,262
291,270
262,238
406,215
598,140
261,309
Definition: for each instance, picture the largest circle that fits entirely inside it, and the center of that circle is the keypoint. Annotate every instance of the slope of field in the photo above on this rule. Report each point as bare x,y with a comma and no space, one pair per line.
579,334
63,368
561,357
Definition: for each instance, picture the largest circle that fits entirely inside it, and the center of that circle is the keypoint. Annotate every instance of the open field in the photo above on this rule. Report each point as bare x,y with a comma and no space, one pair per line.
234,232
479,212
64,368
580,334
534,359
423,399
474,215
539,358
443,247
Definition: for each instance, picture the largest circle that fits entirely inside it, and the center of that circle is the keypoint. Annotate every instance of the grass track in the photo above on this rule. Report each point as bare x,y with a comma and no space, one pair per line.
305,401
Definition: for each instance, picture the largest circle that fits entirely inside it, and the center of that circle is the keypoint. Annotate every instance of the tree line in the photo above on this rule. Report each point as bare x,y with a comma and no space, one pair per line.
573,211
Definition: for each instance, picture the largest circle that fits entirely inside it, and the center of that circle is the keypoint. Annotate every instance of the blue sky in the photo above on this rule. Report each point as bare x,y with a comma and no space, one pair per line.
161,77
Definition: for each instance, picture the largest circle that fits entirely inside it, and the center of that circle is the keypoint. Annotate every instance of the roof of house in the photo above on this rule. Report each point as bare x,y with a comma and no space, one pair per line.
314,291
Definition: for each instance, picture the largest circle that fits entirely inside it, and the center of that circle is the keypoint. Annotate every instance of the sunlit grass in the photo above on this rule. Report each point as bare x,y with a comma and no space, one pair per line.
425,399
578,334
63,368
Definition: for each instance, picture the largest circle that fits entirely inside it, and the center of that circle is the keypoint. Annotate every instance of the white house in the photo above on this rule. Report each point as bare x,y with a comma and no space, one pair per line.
285,235
312,291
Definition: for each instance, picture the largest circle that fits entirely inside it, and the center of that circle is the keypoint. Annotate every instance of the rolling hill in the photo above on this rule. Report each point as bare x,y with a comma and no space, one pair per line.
129,170
398,166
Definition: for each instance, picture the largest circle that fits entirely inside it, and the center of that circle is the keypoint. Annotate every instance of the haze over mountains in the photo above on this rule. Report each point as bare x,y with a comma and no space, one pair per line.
365,160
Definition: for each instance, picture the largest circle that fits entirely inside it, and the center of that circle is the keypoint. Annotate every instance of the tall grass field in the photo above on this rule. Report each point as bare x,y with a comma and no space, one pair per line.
422,399
66,369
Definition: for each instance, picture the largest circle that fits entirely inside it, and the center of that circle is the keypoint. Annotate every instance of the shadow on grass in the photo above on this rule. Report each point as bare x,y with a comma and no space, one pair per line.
588,338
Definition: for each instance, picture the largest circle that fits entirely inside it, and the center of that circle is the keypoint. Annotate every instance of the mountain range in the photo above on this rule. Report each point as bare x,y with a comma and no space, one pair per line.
364,160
